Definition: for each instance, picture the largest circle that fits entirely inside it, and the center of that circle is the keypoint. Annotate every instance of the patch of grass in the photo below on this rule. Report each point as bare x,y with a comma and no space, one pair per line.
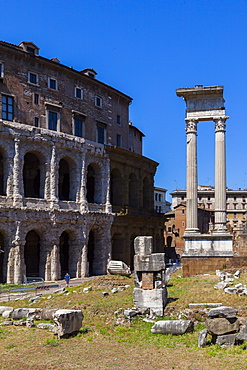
10,346
52,342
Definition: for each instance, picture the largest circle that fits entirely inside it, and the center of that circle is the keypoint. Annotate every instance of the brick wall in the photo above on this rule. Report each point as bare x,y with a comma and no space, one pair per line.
203,265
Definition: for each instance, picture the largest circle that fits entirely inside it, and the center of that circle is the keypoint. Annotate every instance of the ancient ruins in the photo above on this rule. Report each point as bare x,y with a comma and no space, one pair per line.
150,291
205,104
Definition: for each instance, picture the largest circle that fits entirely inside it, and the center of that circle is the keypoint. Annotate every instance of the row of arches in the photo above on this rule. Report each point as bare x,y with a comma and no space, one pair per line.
118,190
32,254
33,176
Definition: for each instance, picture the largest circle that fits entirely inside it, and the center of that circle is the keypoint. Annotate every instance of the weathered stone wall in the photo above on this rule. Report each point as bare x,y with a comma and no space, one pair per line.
48,216
67,213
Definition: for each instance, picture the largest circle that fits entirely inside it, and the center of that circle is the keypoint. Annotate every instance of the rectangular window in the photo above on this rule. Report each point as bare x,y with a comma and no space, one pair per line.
98,101
7,107
119,140
31,50
33,78
78,93
36,98
36,121
1,70
118,119
52,83
52,120
101,132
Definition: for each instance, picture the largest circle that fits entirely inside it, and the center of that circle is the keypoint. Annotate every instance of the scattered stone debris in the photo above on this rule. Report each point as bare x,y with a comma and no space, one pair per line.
87,289
223,326
66,322
176,327
226,279
118,268
60,290
45,325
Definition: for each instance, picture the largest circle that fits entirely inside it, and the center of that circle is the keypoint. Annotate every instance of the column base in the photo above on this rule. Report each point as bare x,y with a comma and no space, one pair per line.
191,231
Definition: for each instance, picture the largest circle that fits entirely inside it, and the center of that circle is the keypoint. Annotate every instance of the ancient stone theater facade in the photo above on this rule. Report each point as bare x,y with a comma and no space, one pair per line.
59,132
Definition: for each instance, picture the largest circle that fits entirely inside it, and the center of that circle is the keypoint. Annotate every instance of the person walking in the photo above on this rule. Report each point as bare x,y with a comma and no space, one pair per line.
67,279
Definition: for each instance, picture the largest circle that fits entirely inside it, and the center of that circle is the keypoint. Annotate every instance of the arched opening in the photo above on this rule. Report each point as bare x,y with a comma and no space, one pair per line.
91,252
2,192
117,247
32,253
146,194
2,280
116,188
133,191
64,253
31,176
169,241
64,180
90,184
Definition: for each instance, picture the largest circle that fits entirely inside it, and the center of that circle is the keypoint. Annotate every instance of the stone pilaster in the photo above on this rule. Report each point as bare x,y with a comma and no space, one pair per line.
17,171
53,179
191,177
220,175
108,207
83,199
55,263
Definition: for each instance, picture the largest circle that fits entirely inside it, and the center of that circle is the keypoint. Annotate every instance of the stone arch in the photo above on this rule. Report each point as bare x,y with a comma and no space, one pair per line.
2,250
94,183
32,253
146,193
64,252
32,175
116,187
95,257
117,246
64,179
133,191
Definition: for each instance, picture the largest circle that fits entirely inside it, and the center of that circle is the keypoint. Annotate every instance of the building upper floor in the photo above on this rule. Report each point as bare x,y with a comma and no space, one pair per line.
44,93
235,199
161,205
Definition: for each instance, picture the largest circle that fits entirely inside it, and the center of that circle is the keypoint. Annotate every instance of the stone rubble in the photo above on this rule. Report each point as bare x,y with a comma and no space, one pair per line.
66,322
176,327
224,327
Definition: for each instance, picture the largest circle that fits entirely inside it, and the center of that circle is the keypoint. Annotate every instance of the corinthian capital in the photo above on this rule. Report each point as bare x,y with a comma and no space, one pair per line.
220,124
191,126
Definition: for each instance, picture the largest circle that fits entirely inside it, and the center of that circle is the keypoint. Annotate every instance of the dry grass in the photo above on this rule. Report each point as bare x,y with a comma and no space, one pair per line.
102,344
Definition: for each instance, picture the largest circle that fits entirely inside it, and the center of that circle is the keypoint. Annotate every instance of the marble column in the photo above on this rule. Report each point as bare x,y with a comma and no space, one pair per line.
191,177
220,175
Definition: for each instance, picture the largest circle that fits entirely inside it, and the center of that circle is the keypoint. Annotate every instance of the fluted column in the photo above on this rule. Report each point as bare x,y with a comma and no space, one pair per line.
220,175
191,177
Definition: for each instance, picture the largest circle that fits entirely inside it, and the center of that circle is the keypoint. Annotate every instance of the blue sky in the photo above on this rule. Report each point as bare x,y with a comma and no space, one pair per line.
148,49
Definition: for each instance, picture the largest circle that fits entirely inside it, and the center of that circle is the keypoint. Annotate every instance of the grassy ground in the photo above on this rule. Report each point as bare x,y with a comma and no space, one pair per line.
103,343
